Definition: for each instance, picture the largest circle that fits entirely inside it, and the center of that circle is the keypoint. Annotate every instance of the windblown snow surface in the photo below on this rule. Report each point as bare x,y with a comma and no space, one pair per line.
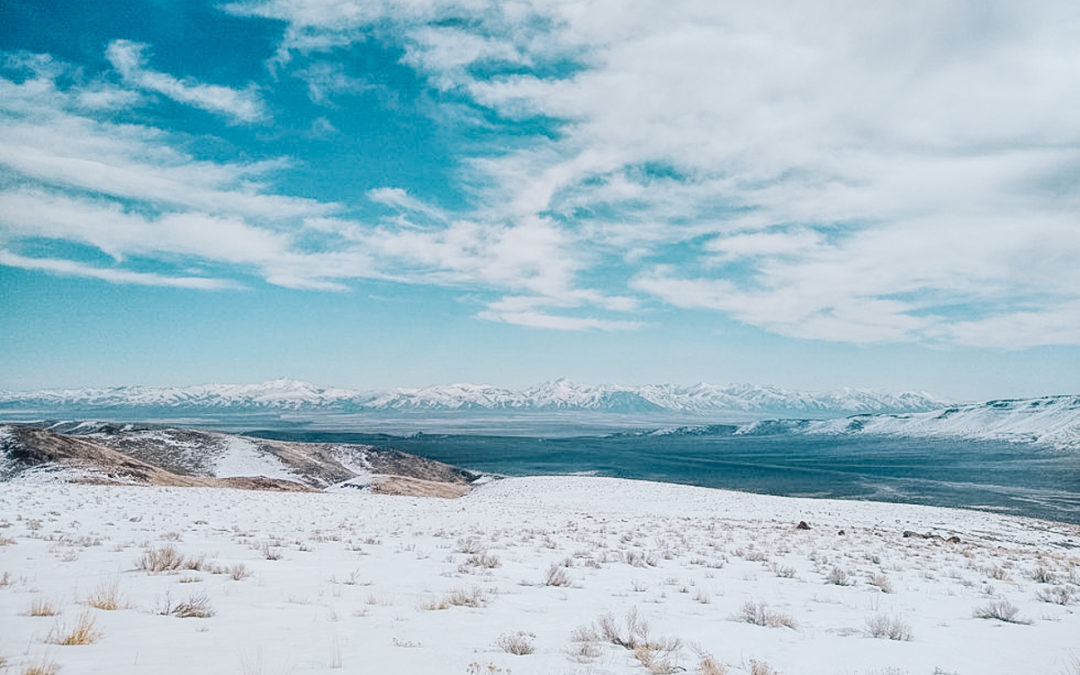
241,457
578,575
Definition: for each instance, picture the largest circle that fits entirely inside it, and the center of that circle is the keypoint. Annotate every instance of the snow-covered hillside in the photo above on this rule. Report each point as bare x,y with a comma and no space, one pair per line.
534,576
1051,420
556,395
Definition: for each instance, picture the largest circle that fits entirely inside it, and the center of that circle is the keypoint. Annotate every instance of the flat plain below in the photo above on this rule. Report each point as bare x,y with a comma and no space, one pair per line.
526,575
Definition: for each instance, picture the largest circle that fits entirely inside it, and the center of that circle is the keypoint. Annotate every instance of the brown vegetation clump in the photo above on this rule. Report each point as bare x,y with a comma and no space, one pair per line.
84,632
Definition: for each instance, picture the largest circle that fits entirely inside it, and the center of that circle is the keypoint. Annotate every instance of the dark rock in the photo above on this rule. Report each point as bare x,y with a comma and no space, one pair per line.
802,525
840,533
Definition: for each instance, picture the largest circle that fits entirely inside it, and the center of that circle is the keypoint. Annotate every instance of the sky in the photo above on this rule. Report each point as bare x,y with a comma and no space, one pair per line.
377,194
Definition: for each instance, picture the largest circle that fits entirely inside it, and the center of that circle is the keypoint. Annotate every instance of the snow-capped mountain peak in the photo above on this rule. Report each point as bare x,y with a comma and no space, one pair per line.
553,395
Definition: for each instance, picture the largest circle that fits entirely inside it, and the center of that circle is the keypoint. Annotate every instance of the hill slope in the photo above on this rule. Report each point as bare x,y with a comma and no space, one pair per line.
106,453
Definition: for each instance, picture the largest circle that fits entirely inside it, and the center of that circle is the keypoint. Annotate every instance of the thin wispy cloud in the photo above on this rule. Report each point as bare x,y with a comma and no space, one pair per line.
130,60
112,275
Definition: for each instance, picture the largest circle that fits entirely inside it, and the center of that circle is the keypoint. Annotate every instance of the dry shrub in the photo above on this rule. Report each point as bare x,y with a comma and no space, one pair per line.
163,559
43,667
708,665
882,626
83,633
1002,610
556,576
470,545
839,577
659,659
519,643
483,560
1043,575
474,597
759,614
196,607
882,583
39,607
239,571
1058,595
106,597
761,668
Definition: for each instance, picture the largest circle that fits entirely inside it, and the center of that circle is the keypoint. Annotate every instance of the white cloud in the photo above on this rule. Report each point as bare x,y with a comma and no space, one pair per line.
879,172
539,319
112,275
400,199
129,59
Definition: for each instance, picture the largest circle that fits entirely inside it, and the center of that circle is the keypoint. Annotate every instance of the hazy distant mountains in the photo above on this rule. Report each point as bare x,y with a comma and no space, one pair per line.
1047,420
556,395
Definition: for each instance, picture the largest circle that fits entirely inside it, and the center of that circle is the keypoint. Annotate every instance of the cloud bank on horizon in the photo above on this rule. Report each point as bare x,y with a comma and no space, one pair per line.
886,173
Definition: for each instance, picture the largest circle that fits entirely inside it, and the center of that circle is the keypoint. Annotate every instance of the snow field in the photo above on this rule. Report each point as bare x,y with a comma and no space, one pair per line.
574,574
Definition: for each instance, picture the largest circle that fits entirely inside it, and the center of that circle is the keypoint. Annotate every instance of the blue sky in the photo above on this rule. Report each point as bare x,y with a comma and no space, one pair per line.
373,194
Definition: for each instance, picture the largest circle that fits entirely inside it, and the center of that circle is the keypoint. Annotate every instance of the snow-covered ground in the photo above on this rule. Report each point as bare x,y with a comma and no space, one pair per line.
368,583
243,458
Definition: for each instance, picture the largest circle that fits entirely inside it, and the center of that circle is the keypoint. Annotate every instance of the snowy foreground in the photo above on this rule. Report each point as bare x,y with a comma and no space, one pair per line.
588,575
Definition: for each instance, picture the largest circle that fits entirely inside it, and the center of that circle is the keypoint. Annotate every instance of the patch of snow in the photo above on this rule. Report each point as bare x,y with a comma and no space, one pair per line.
242,457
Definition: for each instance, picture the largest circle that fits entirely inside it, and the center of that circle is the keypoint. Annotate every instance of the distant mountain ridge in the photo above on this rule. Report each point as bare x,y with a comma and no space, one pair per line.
1047,420
555,395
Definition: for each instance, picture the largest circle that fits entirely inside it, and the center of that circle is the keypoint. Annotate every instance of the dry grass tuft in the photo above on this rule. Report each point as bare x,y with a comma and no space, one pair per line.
84,632
708,665
42,667
474,597
761,668
519,643
39,607
239,571
1002,610
882,626
882,583
759,614
556,576
839,577
196,607
163,559
106,597
1058,595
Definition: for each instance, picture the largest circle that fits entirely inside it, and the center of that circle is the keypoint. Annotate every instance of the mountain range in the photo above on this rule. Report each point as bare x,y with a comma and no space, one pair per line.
555,395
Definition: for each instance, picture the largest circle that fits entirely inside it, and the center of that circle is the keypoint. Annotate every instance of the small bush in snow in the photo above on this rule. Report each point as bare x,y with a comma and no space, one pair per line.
83,633
1002,610
196,607
759,614
1058,595
882,583
106,597
158,560
556,576
42,667
882,626
519,643
39,607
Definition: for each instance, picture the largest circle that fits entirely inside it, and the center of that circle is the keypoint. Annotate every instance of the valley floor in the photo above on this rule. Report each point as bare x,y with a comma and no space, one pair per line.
588,575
